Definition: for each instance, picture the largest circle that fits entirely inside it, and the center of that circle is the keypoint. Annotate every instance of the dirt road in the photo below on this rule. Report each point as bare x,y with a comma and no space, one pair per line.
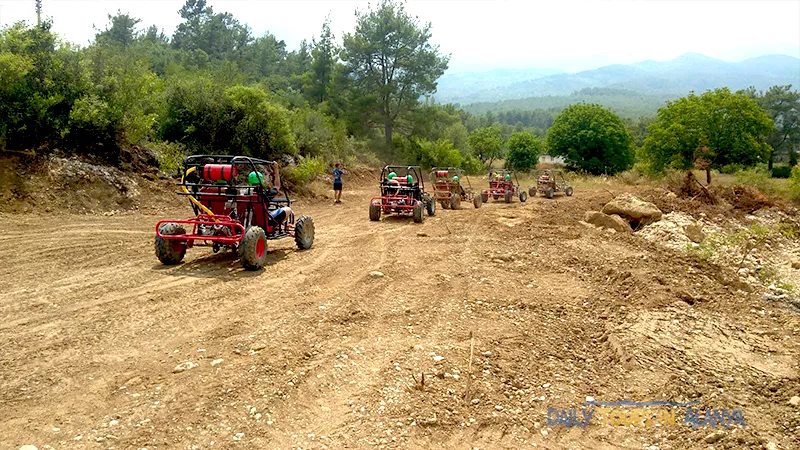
315,352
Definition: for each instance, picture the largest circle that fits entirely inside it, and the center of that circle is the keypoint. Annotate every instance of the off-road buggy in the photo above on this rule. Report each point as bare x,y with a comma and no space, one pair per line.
402,192
449,191
550,182
501,185
238,206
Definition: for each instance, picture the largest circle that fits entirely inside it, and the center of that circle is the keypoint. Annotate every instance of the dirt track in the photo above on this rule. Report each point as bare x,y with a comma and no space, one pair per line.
317,353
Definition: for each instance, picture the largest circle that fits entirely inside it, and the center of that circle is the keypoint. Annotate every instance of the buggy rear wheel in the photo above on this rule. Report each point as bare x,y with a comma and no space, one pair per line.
568,191
523,196
418,213
477,201
374,212
254,248
445,204
548,192
508,196
532,191
484,197
169,251
304,232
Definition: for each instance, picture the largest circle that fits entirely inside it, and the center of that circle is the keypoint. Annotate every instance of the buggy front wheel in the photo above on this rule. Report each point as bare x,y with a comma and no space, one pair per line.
508,196
568,191
477,201
170,251
548,193
254,248
374,213
532,191
484,197
304,232
430,207
523,196
418,213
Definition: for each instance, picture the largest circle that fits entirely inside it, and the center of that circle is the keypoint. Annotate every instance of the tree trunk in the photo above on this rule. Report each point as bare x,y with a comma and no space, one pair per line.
771,160
387,126
708,175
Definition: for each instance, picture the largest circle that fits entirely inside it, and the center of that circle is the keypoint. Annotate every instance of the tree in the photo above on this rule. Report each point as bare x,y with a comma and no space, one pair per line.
220,36
324,58
487,144
591,138
121,32
523,151
715,129
391,63
782,104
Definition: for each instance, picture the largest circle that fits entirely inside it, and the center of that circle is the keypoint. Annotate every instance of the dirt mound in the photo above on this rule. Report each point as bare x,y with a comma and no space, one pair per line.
46,184
745,198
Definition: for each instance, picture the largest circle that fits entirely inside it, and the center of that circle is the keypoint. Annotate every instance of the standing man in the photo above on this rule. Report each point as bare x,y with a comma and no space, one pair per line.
337,182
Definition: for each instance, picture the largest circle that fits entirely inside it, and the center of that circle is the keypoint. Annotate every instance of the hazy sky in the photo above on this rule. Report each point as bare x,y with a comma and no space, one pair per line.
481,34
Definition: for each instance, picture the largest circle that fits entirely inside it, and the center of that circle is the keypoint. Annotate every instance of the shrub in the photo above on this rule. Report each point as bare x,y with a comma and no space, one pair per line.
794,183
170,156
781,171
306,171
731,169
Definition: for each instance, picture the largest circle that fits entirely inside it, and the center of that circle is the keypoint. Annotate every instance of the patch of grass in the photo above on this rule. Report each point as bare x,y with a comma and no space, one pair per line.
768,275
786,286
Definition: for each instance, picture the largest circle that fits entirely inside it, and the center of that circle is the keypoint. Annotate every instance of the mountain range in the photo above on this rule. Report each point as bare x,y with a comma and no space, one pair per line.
667,79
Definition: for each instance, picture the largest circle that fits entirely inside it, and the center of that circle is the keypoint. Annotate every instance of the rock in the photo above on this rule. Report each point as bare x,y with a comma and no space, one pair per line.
216,362
258,347
438,358
376,274
771,446
498,407
28,447
695,232
421,234
184,366
794,401
796,264
634,210
714,437
602,220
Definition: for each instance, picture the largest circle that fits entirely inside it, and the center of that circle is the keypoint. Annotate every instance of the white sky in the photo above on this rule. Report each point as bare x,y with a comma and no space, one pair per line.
482,34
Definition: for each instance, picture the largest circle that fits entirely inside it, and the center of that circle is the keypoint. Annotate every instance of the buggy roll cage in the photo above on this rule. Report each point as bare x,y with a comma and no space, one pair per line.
503,173
450,171
415,171
230,188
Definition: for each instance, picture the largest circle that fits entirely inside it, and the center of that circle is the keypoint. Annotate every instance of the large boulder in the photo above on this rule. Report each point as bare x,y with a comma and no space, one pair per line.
636,211
602,220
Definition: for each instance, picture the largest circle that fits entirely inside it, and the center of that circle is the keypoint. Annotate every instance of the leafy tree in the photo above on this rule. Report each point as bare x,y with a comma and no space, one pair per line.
437,153
591,138
715,129
218,35
324,59
487,144
121,31
782,104
391,63
523,151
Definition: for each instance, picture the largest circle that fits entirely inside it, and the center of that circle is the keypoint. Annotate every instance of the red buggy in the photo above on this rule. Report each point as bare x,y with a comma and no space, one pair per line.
501,185
402,192
238,206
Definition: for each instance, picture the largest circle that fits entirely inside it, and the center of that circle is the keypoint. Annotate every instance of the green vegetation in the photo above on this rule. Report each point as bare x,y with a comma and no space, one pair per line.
709,131
592,139
523,151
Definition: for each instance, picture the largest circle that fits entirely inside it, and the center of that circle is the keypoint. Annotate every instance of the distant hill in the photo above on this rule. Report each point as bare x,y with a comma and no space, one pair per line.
668,79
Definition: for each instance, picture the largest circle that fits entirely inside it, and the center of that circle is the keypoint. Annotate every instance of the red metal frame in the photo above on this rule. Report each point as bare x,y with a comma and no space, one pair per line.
390,203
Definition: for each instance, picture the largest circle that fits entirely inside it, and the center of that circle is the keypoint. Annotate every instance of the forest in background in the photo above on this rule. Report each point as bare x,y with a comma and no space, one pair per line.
359,98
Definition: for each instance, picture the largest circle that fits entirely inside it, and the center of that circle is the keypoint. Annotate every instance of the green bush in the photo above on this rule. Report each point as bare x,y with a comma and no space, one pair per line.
306,171
731,169
794,183
757,177
170,156
781,171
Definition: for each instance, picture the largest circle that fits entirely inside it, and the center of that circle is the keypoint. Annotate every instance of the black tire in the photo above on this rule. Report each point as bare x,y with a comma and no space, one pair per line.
419,215
254,248
568,191
374,213
304,232
477,201
455,201
548,193
484,197
168,251
445,204
532,191
523,196
430,207
509,195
